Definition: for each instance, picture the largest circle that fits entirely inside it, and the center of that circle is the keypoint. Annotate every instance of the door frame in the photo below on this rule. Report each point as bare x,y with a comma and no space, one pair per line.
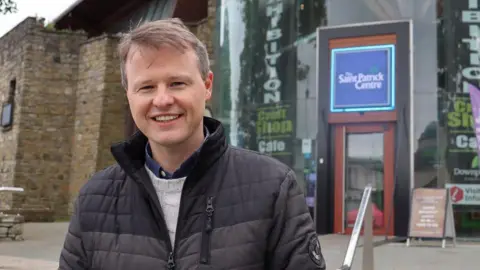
340,132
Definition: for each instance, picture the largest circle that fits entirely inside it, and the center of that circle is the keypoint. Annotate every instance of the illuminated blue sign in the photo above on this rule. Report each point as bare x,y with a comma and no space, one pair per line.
362,79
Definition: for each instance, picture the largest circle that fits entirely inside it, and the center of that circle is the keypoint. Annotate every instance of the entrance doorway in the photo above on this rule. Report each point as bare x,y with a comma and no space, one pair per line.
364,153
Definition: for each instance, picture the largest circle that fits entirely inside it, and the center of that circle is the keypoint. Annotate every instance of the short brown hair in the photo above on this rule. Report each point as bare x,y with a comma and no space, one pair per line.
166,32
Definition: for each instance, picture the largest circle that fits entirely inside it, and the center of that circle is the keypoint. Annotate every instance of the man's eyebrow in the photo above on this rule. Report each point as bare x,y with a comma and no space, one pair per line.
142,82
179,78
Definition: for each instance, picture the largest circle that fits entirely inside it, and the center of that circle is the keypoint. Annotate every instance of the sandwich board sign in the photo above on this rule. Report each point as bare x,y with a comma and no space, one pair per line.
431,215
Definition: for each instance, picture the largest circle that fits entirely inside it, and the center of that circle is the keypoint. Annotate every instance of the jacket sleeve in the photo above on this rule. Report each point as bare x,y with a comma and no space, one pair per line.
293,242
73,255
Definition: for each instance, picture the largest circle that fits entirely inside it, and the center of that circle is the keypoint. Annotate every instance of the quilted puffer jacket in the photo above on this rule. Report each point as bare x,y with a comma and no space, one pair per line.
239,210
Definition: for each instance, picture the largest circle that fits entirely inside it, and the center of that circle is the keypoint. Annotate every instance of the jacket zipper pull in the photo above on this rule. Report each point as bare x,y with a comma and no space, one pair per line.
170,263
209,211
205,247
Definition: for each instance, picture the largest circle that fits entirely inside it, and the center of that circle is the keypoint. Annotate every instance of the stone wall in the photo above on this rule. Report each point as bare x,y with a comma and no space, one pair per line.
12,46
36,152
49,66
114,105
100,109
205,31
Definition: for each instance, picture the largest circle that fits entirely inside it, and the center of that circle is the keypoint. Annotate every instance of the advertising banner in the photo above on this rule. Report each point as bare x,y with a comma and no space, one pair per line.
462,157
464,194
432,215
275,130
427,218
463,74
462,32
362,78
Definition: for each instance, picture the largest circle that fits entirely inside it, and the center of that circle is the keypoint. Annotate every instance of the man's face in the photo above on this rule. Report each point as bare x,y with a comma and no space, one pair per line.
166,93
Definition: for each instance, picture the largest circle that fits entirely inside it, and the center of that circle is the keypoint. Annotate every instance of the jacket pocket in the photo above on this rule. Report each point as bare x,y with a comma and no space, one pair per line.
206,234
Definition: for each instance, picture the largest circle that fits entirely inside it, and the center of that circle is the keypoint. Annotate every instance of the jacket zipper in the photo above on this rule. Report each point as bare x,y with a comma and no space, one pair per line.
171,261
205,247
173,248
163,226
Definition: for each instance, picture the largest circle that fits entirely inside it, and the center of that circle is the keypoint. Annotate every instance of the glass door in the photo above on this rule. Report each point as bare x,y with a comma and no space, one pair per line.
363,155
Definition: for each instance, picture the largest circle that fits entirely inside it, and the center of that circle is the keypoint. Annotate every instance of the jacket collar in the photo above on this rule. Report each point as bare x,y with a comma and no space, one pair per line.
130,154
184,168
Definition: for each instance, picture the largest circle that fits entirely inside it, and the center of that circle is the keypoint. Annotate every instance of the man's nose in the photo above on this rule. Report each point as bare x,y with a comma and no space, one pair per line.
163,97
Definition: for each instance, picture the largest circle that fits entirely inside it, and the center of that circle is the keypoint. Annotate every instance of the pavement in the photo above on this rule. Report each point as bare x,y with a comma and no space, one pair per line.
40,249
43,242
396,256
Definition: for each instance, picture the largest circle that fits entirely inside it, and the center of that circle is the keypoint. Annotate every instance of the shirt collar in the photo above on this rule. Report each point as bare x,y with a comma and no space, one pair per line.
182,171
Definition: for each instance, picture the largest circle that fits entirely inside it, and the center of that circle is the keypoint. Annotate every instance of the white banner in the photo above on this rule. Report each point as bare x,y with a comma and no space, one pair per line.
464,194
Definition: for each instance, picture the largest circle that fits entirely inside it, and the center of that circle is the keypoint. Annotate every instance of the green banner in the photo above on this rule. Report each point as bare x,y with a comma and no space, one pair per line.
462,158
275,130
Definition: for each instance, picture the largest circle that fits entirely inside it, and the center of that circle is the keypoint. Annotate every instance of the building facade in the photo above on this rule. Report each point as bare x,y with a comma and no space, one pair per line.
267,96
62,100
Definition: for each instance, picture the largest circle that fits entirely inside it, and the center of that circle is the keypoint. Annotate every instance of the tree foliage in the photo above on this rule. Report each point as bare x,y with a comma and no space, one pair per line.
8,6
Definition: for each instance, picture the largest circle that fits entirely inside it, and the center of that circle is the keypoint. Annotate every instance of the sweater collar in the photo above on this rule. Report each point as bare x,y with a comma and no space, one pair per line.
184,168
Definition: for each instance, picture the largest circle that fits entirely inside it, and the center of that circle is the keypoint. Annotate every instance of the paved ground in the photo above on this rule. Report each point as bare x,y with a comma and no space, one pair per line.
396,256
43,242
40,250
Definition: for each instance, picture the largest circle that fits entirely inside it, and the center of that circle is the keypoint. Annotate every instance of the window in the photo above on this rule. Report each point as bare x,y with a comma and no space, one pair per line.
7,107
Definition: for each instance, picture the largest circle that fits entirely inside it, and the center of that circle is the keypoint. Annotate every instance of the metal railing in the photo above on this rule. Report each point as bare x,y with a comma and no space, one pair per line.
364,217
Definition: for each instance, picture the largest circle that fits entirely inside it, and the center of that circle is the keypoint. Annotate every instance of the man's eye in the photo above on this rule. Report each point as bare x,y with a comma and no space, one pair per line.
148,87
177,84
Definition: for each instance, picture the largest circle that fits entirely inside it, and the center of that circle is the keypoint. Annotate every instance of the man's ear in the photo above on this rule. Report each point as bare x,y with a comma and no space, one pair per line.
209,85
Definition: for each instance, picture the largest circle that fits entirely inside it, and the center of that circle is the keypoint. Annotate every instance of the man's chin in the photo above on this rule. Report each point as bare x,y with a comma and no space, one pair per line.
167,141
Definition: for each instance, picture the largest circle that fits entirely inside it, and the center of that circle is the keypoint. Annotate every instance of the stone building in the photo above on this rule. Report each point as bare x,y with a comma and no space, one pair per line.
62,82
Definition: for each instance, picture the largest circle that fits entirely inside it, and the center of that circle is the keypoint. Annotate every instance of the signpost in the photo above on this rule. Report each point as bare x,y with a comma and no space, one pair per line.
431,215
365,218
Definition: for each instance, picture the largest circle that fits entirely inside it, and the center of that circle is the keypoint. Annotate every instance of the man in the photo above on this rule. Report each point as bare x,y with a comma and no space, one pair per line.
180,197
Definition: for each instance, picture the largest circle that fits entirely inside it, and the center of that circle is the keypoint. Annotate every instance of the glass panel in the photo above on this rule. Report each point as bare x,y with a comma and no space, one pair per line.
363,165
265,80
457,152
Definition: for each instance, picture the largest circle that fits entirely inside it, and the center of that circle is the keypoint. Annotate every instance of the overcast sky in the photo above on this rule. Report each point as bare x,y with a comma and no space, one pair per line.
48,9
